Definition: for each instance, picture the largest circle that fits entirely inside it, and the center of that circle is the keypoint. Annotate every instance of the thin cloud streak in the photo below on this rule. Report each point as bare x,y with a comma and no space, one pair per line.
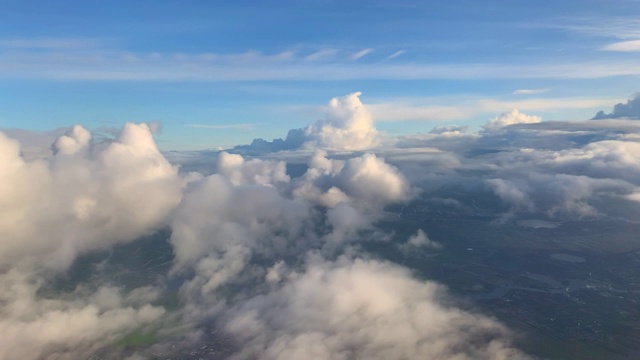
616,27
127,67
427,110
530,91
361,54
223,126
49,43
624,46
321,55
396,54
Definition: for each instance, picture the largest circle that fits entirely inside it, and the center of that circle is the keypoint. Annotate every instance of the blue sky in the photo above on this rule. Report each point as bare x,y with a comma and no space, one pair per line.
222,73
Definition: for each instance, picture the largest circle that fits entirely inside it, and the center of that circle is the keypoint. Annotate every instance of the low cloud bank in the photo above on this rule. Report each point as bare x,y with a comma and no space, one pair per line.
362,309
268,259
271,262
630,110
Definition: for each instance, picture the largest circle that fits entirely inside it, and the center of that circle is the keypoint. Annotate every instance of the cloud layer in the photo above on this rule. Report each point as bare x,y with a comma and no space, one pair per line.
630,110
273,260
362,310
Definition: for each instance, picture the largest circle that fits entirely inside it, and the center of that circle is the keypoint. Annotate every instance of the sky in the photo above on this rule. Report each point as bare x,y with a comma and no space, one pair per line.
218,74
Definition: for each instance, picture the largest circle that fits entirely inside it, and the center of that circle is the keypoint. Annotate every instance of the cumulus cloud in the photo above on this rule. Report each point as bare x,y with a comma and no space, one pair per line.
362,309
73,141
250,208
554,169
510,193
255,171
104,194
35,144
511,118
85,198
630,110
347,125
366,181
35,328
218,217
419,241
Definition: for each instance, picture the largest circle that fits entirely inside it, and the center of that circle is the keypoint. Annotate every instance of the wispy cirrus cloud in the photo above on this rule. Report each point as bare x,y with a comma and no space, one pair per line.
223,126
106,64
361,54
530,91
50,43
322,55
396,54
613,27
433,109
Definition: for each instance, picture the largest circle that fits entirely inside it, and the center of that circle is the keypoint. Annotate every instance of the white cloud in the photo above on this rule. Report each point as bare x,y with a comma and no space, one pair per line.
34,328
115,64
104,194
86,197
347,125
225,223
403,111
73,141
624,46
362,309
543,103
530,91
255,172
49,43
396,54
419,241
511,193
223,126
322,55
35,144
463,108
511,118
622,27
361,54
367,182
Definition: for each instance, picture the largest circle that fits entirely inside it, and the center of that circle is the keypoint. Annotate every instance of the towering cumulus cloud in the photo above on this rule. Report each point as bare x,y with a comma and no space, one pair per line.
85,198
347,125
630,110
274,264
511,118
